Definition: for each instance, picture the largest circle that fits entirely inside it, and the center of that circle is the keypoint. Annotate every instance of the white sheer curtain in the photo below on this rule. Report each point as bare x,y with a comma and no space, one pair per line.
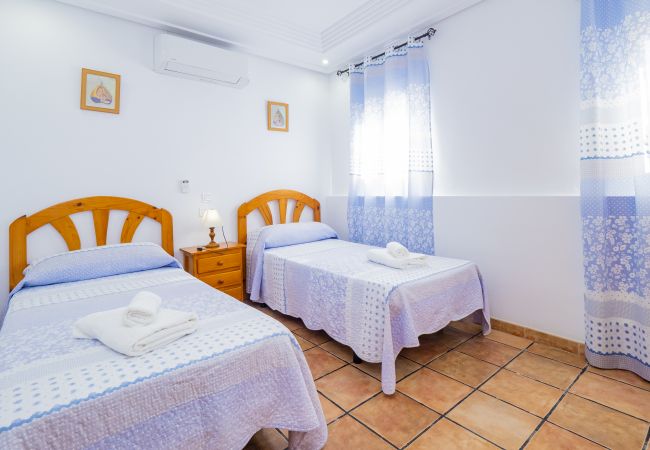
391,168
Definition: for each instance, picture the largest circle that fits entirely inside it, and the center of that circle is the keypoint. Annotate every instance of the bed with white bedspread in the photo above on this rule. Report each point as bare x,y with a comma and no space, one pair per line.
305,271
239,372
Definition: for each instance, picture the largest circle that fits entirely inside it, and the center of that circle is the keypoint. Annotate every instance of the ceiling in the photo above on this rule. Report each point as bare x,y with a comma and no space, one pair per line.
299,32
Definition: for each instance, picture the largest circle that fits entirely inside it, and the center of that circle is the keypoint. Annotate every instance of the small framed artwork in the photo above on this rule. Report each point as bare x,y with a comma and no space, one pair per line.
100,91
277,116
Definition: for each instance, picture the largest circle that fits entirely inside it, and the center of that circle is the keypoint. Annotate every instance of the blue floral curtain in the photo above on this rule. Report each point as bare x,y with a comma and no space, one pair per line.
615,165
391,167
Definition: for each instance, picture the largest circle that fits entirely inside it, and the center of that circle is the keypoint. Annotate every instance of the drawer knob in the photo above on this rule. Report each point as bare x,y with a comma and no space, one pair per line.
219,263
220,282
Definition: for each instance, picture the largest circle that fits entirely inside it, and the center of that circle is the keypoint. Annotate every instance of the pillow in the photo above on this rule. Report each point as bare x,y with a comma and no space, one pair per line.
296,233
96,262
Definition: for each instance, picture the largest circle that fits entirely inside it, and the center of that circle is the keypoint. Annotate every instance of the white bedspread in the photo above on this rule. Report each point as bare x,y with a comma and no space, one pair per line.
239,372
376,310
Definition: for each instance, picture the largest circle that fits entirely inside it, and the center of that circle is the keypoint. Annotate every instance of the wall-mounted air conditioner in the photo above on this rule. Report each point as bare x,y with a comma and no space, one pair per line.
190,59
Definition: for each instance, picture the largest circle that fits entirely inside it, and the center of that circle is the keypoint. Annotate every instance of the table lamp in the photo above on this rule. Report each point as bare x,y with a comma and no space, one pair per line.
211,219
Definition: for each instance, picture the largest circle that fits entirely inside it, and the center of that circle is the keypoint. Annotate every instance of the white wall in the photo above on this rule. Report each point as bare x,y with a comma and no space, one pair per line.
168,128
504,88
504,81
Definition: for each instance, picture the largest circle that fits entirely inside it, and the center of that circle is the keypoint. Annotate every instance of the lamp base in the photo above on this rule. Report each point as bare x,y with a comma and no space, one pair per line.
211,244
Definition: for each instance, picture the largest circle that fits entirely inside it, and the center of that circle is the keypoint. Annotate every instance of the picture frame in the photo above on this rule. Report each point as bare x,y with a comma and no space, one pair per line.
277,116
100,91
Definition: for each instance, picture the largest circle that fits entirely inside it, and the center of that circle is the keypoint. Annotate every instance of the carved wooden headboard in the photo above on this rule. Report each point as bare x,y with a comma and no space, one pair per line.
282,196
59,217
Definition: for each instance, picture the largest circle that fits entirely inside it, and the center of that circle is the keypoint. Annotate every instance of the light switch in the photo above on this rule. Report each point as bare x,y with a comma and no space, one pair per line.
206,197
185,186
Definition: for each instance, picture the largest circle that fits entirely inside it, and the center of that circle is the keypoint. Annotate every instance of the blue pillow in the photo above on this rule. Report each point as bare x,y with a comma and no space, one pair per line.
96,262
296,233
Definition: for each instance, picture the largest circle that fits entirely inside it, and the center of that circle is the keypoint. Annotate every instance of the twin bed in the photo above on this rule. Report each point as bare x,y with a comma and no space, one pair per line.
241,371
307,272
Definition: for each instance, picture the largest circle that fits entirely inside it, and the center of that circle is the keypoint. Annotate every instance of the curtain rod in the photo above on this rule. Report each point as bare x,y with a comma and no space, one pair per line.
428,34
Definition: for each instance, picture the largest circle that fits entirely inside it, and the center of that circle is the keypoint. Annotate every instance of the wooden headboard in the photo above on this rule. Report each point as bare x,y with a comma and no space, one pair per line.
59,217
282,196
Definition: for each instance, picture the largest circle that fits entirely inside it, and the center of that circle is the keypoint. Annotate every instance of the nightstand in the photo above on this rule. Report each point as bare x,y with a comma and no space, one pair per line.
221,267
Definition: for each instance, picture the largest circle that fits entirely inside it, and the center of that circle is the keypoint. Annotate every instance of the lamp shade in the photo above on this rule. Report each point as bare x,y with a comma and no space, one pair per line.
211,218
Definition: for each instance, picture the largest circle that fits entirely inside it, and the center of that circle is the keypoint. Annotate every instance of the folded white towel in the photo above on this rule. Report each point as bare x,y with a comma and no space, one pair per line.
142,310
108,327
381,256
397,250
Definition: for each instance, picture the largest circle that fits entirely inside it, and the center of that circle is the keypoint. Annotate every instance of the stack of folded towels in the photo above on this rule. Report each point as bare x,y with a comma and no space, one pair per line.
395,255
139,328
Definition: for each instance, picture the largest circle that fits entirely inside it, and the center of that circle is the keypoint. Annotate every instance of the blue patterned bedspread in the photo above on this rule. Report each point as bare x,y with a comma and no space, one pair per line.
240,372
374,309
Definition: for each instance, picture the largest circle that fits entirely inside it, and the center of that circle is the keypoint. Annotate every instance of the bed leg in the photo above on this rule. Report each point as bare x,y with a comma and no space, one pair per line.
356,359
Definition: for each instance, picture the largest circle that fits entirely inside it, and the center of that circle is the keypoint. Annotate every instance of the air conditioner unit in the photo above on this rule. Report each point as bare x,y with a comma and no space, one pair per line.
180,57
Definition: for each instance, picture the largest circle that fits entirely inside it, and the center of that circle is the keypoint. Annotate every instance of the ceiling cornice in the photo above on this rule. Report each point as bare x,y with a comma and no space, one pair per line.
254,21
284,38
359,19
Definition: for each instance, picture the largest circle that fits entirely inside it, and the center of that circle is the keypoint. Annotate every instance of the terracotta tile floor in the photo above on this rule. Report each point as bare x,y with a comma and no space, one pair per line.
465,391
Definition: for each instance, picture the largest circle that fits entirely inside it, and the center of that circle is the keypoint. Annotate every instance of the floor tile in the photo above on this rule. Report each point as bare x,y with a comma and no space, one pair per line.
622,375
321,362
267,439
545,370
396,417
489,351
292,323
525,393
572,359
552,437
463,368
304,343
446,435
509,339
501,423
348,387
599,423
434,390
425,352
467,327
620,396
449,337
337,349
330,410
403,367
346,433
317,337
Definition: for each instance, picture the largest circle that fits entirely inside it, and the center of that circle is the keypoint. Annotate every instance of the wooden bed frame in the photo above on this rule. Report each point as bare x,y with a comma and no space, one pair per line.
282,196
59,217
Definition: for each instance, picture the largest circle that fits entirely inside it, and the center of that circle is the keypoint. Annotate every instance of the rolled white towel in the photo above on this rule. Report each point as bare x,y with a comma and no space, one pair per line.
142,310
381,256
108,328
397,250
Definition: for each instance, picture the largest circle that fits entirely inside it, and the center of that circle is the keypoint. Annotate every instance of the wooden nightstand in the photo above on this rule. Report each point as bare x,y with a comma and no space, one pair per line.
221,268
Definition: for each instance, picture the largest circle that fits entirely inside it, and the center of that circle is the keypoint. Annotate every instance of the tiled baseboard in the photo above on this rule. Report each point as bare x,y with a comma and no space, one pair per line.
539,336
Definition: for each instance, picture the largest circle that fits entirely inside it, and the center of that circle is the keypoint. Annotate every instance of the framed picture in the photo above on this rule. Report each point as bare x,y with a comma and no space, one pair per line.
100,91
277,116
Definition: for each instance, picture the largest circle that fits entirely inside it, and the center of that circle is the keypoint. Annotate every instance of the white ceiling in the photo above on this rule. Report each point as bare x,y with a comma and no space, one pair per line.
299,32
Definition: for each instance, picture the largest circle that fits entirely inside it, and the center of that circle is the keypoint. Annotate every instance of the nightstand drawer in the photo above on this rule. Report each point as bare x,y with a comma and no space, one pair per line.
237,292
222,279
219,262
